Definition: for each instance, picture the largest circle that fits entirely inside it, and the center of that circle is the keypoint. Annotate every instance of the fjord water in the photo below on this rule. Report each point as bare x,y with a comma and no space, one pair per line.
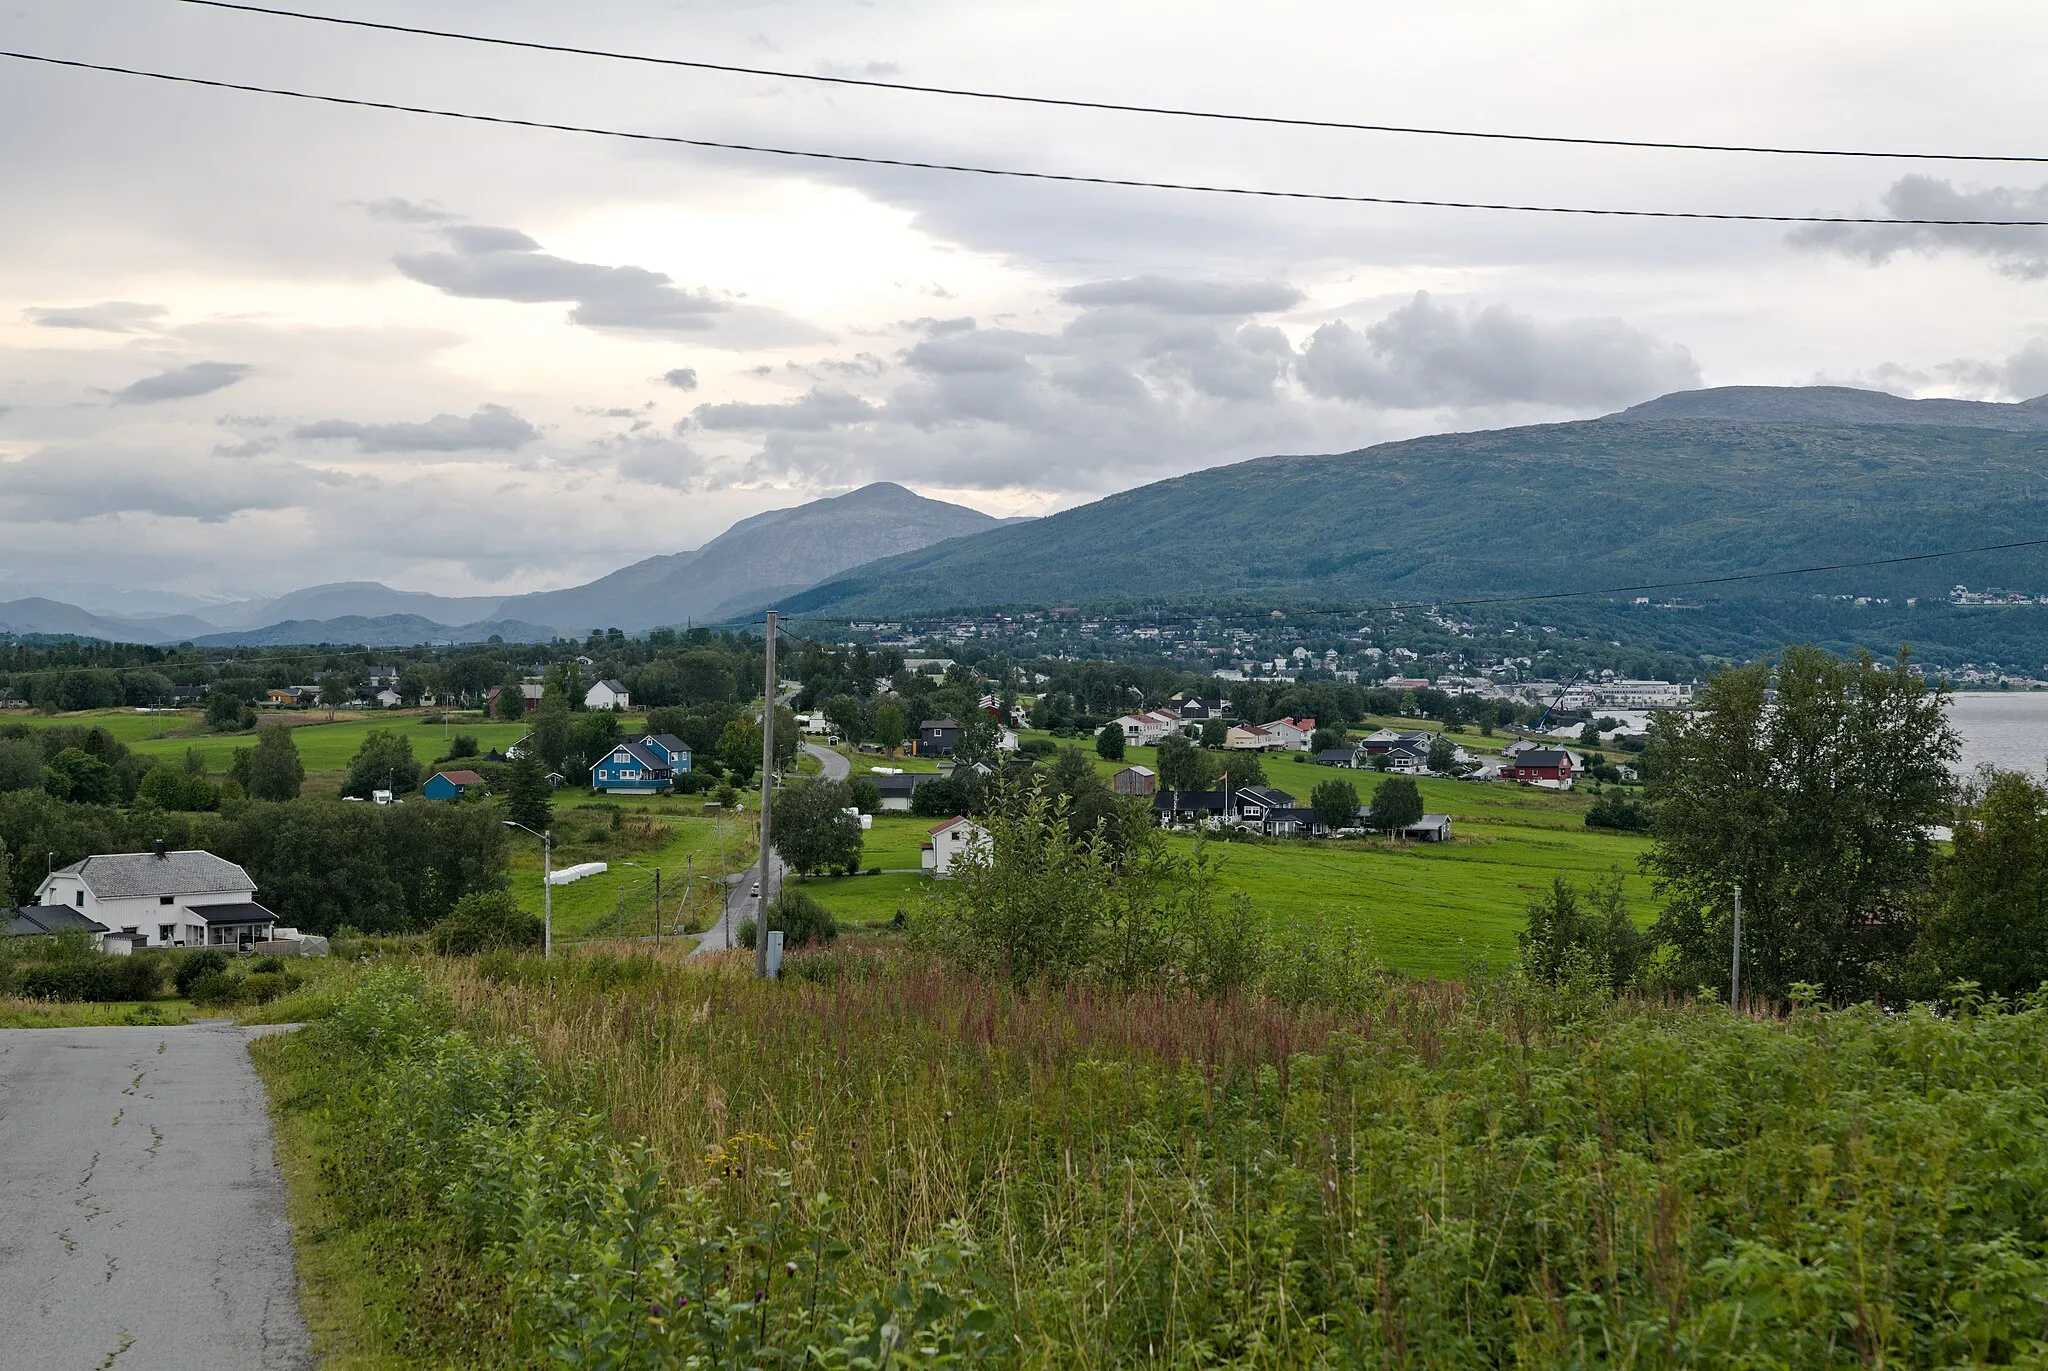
2008,729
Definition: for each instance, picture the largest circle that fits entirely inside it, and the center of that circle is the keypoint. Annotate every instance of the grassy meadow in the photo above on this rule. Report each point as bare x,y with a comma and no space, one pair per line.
881,1161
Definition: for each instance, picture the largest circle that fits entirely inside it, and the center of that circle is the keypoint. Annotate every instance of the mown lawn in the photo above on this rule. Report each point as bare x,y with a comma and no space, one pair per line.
684,849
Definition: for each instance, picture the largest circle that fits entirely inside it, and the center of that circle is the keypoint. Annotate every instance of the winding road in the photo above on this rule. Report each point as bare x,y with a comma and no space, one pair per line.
142,1219
740,902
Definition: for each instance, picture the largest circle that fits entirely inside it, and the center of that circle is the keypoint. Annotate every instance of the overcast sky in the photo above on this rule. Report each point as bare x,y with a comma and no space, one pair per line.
248,344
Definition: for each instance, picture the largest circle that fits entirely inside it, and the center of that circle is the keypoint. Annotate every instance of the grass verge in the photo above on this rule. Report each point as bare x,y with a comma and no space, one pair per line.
16,1012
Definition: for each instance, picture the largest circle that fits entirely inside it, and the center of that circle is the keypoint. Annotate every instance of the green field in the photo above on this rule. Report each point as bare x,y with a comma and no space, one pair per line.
1426,908
687,847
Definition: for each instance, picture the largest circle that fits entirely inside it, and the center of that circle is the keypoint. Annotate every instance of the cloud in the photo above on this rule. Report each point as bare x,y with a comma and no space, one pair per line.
109,316
2021,376
682,378
2021,253
493,428
1171,295
654,461
182,383
400,211
120,476
816,410
1426,354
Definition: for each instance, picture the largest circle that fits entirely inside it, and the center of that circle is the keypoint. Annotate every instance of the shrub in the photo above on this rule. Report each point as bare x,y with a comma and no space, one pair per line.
216,989
1627,816
193,965
484,920
743,934
267,965
95,980
801,919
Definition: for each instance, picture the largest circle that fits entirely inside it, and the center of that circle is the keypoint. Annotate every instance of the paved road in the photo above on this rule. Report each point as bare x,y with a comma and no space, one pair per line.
142,1223
837,768
739,904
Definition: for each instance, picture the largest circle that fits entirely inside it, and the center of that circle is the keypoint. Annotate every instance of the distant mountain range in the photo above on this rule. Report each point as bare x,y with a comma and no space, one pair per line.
1697,484
758,559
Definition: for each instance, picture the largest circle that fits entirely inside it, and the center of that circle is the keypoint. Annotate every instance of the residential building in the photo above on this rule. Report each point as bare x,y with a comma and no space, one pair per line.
1194,709
40,921
449,785
1552,768
1135,780
937,737
607,694
897,790
948,842
1146,730
638,767
1290,735
1341,756
1250,806
530,692
1430,828
162,898
1248,738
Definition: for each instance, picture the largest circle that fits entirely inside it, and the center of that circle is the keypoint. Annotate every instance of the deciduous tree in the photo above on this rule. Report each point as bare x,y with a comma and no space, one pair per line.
1335,803
1396,804
274,769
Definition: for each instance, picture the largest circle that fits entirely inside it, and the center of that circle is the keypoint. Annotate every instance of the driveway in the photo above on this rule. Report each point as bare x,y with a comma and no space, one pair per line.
142,1221
837,768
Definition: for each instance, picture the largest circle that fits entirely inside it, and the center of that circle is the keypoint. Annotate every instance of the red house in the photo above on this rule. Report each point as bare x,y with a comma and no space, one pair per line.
1542,766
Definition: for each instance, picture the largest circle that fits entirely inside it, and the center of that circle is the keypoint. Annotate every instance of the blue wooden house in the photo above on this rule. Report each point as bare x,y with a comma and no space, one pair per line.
449,785
645,765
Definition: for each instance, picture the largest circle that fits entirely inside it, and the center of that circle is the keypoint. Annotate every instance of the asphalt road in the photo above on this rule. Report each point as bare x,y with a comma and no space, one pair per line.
142,1220
837,768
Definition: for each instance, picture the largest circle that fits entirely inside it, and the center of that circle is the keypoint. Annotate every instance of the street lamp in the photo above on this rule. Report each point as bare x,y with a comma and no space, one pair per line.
547,888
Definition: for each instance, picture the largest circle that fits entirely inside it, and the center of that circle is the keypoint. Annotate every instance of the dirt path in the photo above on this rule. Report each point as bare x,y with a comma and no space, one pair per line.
142,1219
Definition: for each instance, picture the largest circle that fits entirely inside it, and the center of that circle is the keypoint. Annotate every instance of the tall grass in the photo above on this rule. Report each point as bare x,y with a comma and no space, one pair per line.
1453,1175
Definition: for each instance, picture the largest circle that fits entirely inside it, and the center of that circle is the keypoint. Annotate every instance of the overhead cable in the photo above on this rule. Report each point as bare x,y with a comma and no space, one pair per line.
1110,106
1069,178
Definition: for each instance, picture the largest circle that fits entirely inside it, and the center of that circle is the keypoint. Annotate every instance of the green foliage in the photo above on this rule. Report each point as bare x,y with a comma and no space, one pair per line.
796,916
485,920
1215,733
1990,925
93,978
1109,742
1241,768
76,775
739,747
195,964
1443,755
463,745
273,770
812,829
1396,804
864,795
1183,766
21,765
510,706
528,800
1335,803
383,761
1619,814
1816,802
169,787
889,727
551,736
226,712
1593,941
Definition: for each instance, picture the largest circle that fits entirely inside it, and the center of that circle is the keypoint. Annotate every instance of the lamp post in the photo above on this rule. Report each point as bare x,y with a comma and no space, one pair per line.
547,888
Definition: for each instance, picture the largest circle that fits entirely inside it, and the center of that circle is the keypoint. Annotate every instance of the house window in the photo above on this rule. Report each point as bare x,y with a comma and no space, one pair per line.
164,931
165,899
79,899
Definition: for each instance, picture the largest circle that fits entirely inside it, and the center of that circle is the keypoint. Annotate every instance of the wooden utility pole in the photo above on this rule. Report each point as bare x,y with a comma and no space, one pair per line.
657,909
1735,965
767,791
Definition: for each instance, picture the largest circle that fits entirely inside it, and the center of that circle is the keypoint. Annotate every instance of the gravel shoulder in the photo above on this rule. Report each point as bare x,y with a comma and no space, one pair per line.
142,1219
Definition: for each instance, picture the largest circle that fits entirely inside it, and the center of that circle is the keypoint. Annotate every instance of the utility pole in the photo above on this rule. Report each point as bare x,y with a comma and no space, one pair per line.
622,911
1735,966
547,886
767,790
657,909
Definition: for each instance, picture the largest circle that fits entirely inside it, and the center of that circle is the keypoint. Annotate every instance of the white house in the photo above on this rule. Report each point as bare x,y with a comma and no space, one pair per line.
1145,730
607,695
1290,735
947,842
163,898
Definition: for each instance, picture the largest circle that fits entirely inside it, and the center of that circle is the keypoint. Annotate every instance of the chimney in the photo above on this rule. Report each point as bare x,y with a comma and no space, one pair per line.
158,848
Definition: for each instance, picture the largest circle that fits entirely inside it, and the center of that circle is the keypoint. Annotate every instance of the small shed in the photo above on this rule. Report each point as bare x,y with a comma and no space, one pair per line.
1135,780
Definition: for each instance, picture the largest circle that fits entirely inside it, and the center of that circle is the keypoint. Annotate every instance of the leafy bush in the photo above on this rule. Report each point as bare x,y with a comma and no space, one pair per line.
267,965
801,919
216,989
1622,815
485,920
743,934
193,965
94,980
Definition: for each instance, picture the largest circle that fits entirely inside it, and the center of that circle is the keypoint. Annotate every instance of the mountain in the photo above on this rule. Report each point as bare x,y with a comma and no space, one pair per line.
38,615
354,599
756,560
1628,499
1834,405
388,630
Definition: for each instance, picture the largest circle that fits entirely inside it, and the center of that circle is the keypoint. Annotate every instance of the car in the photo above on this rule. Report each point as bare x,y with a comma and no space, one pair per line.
757,891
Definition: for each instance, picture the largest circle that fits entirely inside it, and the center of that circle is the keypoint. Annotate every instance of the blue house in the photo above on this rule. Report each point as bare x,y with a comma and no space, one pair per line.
642,766
448,785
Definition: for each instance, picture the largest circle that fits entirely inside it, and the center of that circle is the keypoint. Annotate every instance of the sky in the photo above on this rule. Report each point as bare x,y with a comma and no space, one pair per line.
249,344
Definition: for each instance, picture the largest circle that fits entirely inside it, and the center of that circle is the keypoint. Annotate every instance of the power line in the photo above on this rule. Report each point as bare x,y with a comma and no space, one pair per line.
1010,172
1110,106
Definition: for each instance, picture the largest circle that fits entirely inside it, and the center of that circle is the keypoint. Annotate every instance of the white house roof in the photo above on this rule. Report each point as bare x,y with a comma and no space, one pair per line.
614,687
125,875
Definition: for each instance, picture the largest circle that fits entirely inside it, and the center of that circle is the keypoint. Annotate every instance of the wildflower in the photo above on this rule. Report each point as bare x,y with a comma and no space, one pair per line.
790,1267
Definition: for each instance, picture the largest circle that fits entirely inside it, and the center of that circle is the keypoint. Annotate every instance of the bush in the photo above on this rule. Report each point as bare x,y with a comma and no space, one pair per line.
743,934
1614,812
801,919
94,980
193,965
485,920
1037,747
267,965
216,989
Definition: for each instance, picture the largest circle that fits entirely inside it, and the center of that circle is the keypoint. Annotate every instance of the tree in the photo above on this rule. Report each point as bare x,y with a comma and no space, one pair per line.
339,687
864,795
224,711
889,727
739,747
1243,766
274,770
847,717
813,830
1109,743
1817,804
1396,804
76,775
1325,740
551,735
21,765
528,799
978,737
485,920
1991,923
787,736
593,734
1443,755
1335,803
383,761
1564,938
1215,733
1182,765
510,706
